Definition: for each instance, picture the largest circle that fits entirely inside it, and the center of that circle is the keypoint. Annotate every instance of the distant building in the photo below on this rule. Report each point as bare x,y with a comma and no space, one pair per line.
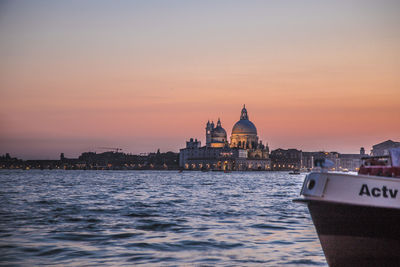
351,162
383,148
8,162
244,152
286,159
98,161
341,162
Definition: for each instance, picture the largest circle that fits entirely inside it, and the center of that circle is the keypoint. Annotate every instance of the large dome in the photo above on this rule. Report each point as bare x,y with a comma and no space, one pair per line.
244,127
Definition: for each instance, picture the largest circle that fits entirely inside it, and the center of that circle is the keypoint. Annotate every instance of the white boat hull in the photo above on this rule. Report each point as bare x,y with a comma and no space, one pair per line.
357,217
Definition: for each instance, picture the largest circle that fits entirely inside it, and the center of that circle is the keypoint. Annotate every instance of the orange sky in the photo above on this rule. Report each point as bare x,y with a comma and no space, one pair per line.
146,75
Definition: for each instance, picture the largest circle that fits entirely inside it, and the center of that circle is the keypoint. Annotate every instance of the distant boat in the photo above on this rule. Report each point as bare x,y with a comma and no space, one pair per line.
295,172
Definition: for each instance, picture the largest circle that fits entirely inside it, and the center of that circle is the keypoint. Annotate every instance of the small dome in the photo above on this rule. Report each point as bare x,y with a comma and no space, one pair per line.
218,132
244,127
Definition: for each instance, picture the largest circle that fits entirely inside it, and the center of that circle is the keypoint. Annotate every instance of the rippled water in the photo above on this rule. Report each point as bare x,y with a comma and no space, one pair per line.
154,218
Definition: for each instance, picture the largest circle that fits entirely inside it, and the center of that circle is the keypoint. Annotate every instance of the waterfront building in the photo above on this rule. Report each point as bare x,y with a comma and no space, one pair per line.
341,162
286,159
383,148
350,162
310,157
289,159
244,152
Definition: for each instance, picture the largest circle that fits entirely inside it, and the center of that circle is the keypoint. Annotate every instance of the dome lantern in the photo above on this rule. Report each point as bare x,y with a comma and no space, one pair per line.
243,115
219,123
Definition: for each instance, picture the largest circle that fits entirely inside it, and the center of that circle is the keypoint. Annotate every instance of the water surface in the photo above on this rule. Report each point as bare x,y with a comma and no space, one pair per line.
159,218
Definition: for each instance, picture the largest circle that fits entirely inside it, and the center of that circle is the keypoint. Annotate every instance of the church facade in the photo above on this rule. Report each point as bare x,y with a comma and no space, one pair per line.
244,151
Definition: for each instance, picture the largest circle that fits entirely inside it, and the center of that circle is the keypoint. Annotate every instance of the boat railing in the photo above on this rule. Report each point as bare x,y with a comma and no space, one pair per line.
380,170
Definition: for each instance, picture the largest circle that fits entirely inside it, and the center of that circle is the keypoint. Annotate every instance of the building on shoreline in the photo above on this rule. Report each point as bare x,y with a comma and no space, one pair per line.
243,152
290,159
286,159
383,148
109,160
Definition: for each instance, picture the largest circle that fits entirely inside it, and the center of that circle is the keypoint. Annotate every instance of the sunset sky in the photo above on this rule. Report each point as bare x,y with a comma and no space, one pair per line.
143,75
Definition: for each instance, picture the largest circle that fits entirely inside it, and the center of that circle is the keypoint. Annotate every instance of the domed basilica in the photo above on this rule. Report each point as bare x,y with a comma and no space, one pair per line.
244,152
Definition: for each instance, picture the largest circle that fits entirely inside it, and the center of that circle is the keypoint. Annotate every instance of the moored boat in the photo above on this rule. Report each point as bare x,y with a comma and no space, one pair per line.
295,172
357,217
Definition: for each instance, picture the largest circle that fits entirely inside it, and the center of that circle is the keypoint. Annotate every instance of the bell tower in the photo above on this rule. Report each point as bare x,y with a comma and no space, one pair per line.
209,128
